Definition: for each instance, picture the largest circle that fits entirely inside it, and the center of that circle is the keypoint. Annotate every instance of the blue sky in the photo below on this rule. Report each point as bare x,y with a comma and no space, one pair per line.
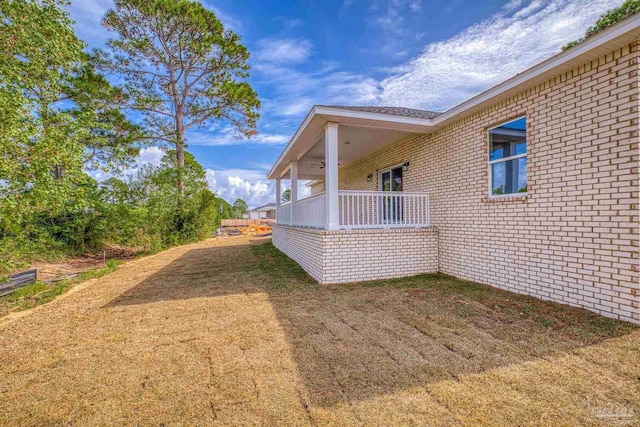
427,54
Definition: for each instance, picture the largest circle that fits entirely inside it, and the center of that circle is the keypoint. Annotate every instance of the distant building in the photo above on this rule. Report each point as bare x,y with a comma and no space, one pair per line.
267,211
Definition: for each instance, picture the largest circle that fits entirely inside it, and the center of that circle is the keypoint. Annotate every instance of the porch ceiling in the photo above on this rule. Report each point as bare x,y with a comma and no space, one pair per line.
359,134
353,144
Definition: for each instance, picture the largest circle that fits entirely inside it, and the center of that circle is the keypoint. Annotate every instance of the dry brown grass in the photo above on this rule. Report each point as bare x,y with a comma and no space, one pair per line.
226,333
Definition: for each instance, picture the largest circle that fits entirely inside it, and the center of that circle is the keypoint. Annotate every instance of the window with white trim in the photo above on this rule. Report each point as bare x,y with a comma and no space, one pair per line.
508,159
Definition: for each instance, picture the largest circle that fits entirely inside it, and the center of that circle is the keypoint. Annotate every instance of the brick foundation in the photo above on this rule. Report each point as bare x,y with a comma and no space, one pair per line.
358,255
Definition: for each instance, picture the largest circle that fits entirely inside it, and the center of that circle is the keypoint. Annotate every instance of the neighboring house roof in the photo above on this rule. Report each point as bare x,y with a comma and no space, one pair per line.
419,121
264,208
394,111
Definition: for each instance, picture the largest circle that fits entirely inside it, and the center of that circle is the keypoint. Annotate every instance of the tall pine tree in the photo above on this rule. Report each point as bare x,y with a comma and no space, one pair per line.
181,69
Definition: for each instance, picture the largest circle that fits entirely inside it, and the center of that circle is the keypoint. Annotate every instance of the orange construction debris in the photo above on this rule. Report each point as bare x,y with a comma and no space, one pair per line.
256,230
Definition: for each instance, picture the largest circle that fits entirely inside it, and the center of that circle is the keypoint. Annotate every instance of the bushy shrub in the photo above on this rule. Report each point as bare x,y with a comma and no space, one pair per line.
148,211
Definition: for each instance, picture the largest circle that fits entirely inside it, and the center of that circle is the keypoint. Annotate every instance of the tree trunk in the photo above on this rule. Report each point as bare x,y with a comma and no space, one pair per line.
180,153
180,131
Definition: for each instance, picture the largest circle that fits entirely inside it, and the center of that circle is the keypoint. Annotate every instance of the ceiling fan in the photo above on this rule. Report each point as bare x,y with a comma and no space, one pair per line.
323,164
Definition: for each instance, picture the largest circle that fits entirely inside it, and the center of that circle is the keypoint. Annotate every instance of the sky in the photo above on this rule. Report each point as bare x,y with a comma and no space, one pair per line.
428,54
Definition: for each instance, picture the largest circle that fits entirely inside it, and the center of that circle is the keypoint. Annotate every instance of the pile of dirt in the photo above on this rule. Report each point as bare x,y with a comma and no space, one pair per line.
256,230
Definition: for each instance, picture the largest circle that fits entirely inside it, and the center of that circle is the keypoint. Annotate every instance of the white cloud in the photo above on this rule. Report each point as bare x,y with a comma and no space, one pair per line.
150,156
247,184
295,86
284,51
229,21
296,107
522,34
448,72
513,5
296,91
416,6
391,17
251,185
99,175
216,135
88,15
289,23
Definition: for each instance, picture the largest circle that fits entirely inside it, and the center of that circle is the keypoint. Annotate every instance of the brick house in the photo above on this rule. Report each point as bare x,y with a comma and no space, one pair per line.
531,186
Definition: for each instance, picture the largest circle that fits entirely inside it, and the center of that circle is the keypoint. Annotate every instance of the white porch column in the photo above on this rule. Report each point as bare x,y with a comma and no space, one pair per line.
278,198
332,217
294,185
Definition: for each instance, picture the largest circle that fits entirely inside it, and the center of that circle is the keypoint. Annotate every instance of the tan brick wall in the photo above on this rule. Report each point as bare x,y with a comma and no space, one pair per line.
574,237
347,256
304,246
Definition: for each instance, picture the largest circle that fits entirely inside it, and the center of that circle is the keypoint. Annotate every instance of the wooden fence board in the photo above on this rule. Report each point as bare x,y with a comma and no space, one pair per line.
245,222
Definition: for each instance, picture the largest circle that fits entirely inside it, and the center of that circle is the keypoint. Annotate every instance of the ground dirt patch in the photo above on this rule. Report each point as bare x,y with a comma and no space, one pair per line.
226,332
56,270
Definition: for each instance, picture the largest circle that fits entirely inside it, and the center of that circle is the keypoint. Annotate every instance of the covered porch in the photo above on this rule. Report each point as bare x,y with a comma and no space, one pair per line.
331,138
364,228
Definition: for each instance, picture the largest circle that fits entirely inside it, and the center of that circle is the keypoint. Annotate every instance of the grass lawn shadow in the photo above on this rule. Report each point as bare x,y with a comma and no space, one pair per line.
359,341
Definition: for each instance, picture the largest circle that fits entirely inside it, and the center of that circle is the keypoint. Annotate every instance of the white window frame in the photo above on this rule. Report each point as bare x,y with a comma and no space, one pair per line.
506,159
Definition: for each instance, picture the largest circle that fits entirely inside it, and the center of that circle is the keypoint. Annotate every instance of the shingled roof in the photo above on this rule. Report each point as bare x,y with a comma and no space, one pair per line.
267,207
395,111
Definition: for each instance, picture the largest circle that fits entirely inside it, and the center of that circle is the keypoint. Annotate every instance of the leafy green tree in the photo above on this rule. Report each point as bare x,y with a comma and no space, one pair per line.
181,69
61,116
239,208
125,215
38,48
110,140
286,195
143,211
612,17
58,118
223,208
116,192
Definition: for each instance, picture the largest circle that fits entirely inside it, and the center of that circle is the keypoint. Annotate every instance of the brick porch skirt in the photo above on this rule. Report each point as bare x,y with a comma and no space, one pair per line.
347,256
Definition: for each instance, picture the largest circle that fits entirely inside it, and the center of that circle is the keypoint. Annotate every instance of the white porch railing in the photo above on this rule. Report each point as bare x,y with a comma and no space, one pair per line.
283,215
360,210
383,209
310,211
